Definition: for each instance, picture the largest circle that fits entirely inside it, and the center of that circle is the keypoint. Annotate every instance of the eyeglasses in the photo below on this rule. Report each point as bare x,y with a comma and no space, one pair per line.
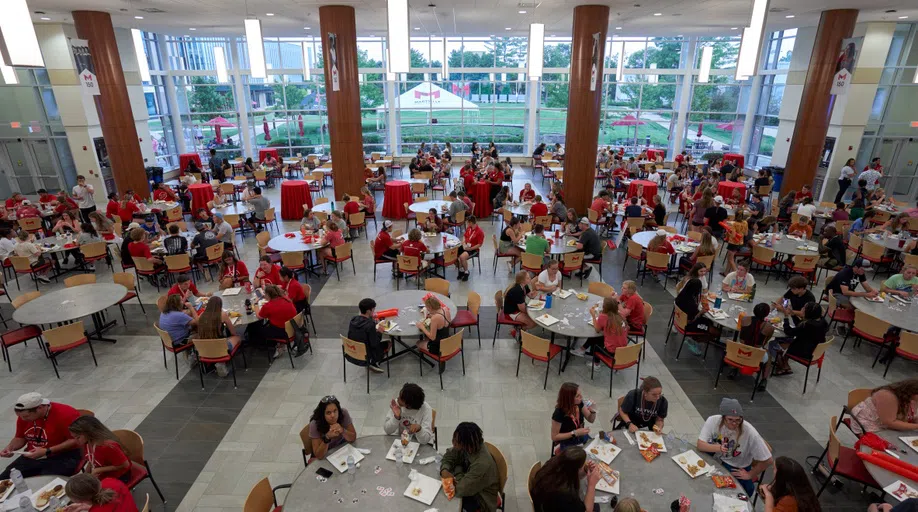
327,399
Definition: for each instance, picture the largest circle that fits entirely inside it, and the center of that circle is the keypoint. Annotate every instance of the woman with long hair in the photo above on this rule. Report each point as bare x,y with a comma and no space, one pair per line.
103,454
790,490
689,301
435,327
706,247
329,426
736,240
629,504
785,204
612,327
215,323
893,406
567,421
232,271
571,223
701,206
801,339
102,225
88,494
698,271
659,243
557,485
509,237
742,450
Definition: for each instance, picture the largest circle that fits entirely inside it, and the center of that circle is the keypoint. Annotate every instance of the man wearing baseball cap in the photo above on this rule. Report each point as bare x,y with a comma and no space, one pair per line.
384,248
225,232
742,449
591,246
845,282
43,438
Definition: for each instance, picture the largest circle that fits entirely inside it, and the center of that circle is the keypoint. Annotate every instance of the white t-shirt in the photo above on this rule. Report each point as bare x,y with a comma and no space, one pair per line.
547,281
847,172
732,281
807,210
84,196
654,177
6,247
741,452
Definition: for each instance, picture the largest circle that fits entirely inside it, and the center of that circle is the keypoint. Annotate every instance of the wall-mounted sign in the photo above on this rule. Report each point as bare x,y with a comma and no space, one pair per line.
86,71
333,60
845,63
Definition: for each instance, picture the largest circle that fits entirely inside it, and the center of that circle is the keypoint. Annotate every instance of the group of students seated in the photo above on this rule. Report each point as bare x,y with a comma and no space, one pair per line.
71,443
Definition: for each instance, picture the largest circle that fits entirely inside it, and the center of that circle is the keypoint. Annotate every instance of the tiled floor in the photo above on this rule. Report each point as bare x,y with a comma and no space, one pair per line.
208,447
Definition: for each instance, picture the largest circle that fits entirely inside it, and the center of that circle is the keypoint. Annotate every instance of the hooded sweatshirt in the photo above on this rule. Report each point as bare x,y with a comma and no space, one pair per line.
422,417
363,330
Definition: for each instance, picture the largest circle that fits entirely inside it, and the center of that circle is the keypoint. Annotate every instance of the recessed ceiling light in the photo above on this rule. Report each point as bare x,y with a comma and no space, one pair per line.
490,35
658,14
372,35
618,28
522,12
138,17
417,28
734,28
507,28
45,19
900,17
192,28
552,35
269,14
306,28
789,16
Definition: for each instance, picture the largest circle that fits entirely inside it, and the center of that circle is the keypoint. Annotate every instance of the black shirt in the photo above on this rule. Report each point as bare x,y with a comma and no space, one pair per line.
557,501
659,214
567,423
175,244
847,277
760,182
836,247
643,414
716,215
634,210
591,243
515,301
797,303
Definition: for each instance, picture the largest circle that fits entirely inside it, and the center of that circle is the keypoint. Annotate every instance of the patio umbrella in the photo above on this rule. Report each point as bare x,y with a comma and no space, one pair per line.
700,127
219,123
264,125
300,121
727,126
628,120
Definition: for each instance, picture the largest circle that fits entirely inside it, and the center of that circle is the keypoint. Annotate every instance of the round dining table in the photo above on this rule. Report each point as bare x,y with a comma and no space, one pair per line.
906,453
725,189
281,243
650,189
425,206
435,243
294,194
891,311
239,208
520,210
896,243
409,305
791,247
557,245
397,193
201,193
236,303
644,237
358,491
70,304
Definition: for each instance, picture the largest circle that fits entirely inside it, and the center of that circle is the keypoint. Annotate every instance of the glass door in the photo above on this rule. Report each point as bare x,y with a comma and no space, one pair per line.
45,168
900,157
18,157
28,166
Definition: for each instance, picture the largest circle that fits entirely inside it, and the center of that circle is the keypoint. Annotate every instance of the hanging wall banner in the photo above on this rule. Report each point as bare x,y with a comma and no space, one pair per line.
594,70
844,66
333,60
83,62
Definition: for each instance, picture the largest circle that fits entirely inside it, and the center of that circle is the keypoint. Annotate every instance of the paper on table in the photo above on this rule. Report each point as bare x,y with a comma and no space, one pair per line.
423,489
724,503
901,490
231,291
911,442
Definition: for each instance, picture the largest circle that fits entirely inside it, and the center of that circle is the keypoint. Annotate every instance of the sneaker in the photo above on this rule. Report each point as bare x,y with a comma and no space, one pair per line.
510,266
762,385
277,353
43,279
91,267
693,347
221,370
589,270
596,366
374,367
579,352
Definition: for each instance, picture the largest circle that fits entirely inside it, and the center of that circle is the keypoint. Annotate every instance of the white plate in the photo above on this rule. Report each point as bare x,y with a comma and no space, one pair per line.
48,486
564,293
547,320
408,453
909,440
606,451
604,486
428,486
653,437
901,490
536,305
231,291
692,458
339,458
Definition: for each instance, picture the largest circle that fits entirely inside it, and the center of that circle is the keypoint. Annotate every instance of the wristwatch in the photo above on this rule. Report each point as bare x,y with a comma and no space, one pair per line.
325,439
47,452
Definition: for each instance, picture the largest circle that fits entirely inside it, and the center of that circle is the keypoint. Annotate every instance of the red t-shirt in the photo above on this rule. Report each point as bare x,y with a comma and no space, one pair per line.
334,238
278,311
112,209
679,158
800,196
468,181
237,271
666,248
163,195
108,453
295,291
351,207
139,250
28,211
497,176
371,204
368,173
49,431
413,248
175,290
611,340
383,243
10,203
46,198
636,305
474,236
527,195
127,213
599,205
123,501
621,172
270,277
538,210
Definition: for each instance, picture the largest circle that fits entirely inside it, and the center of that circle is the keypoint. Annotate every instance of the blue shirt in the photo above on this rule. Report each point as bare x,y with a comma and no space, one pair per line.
177,324
857,226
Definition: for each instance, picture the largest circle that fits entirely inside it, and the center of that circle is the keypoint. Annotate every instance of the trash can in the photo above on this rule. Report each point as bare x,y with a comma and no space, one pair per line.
778,174
155,174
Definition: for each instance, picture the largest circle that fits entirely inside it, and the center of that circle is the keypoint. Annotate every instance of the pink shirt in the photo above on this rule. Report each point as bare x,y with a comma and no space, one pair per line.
334,238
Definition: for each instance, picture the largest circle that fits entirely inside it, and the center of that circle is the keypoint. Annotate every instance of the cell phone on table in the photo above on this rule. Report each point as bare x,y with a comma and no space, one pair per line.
259,294
324,473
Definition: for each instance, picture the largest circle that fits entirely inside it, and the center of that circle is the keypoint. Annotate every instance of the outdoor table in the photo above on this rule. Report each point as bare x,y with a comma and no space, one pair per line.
650,189
294,194
69,304
397,193
358,491
201,193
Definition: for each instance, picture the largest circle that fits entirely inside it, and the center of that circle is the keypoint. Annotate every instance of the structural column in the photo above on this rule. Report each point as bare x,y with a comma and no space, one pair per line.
584,104
813,119
114,105
344,125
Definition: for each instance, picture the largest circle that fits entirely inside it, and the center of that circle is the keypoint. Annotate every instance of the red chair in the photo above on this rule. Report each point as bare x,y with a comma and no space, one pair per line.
64,338
642,331
341,254
469,317
635,252
538,349
746,359
290,340
764,257
17,336
168,346
22,266
357,221
656,262
409,216
819,355
140,468
907,348
215,351
804,265
867,327
531,263
839,315
504,319
294,261
843,461
378,261
126,279
573,261
409,266
622,358
144,267
449,348
679,320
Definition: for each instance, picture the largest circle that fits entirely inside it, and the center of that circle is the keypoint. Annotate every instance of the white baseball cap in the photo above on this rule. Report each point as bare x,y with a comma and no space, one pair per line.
719,199
30,401
387,224
662,232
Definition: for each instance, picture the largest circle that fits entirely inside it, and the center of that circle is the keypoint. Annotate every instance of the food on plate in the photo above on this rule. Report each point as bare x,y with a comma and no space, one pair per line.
681,460
915,442
693,470
235,314
594,451
343,464
5,485
416,491
701,463
582,296
658,446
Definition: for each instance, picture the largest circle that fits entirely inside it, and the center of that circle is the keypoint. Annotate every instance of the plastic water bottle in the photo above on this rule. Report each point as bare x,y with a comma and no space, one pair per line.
548,301
19,483
25,504
438,458
719,300
399,456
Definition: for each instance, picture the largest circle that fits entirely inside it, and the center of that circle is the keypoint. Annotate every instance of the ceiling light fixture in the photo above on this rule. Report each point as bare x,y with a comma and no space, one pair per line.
256,46
192,28
658,14
705,73
138,17
269,14
734,28
220,62
900,17
507,28
748,61
399,52
417,28
789,16
44,18
142,64
306,28
620,68
522,12
307,65
9,74
618,28
536,50
19,44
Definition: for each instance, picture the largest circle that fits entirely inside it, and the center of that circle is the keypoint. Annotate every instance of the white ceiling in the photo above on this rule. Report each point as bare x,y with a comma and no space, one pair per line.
468,17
